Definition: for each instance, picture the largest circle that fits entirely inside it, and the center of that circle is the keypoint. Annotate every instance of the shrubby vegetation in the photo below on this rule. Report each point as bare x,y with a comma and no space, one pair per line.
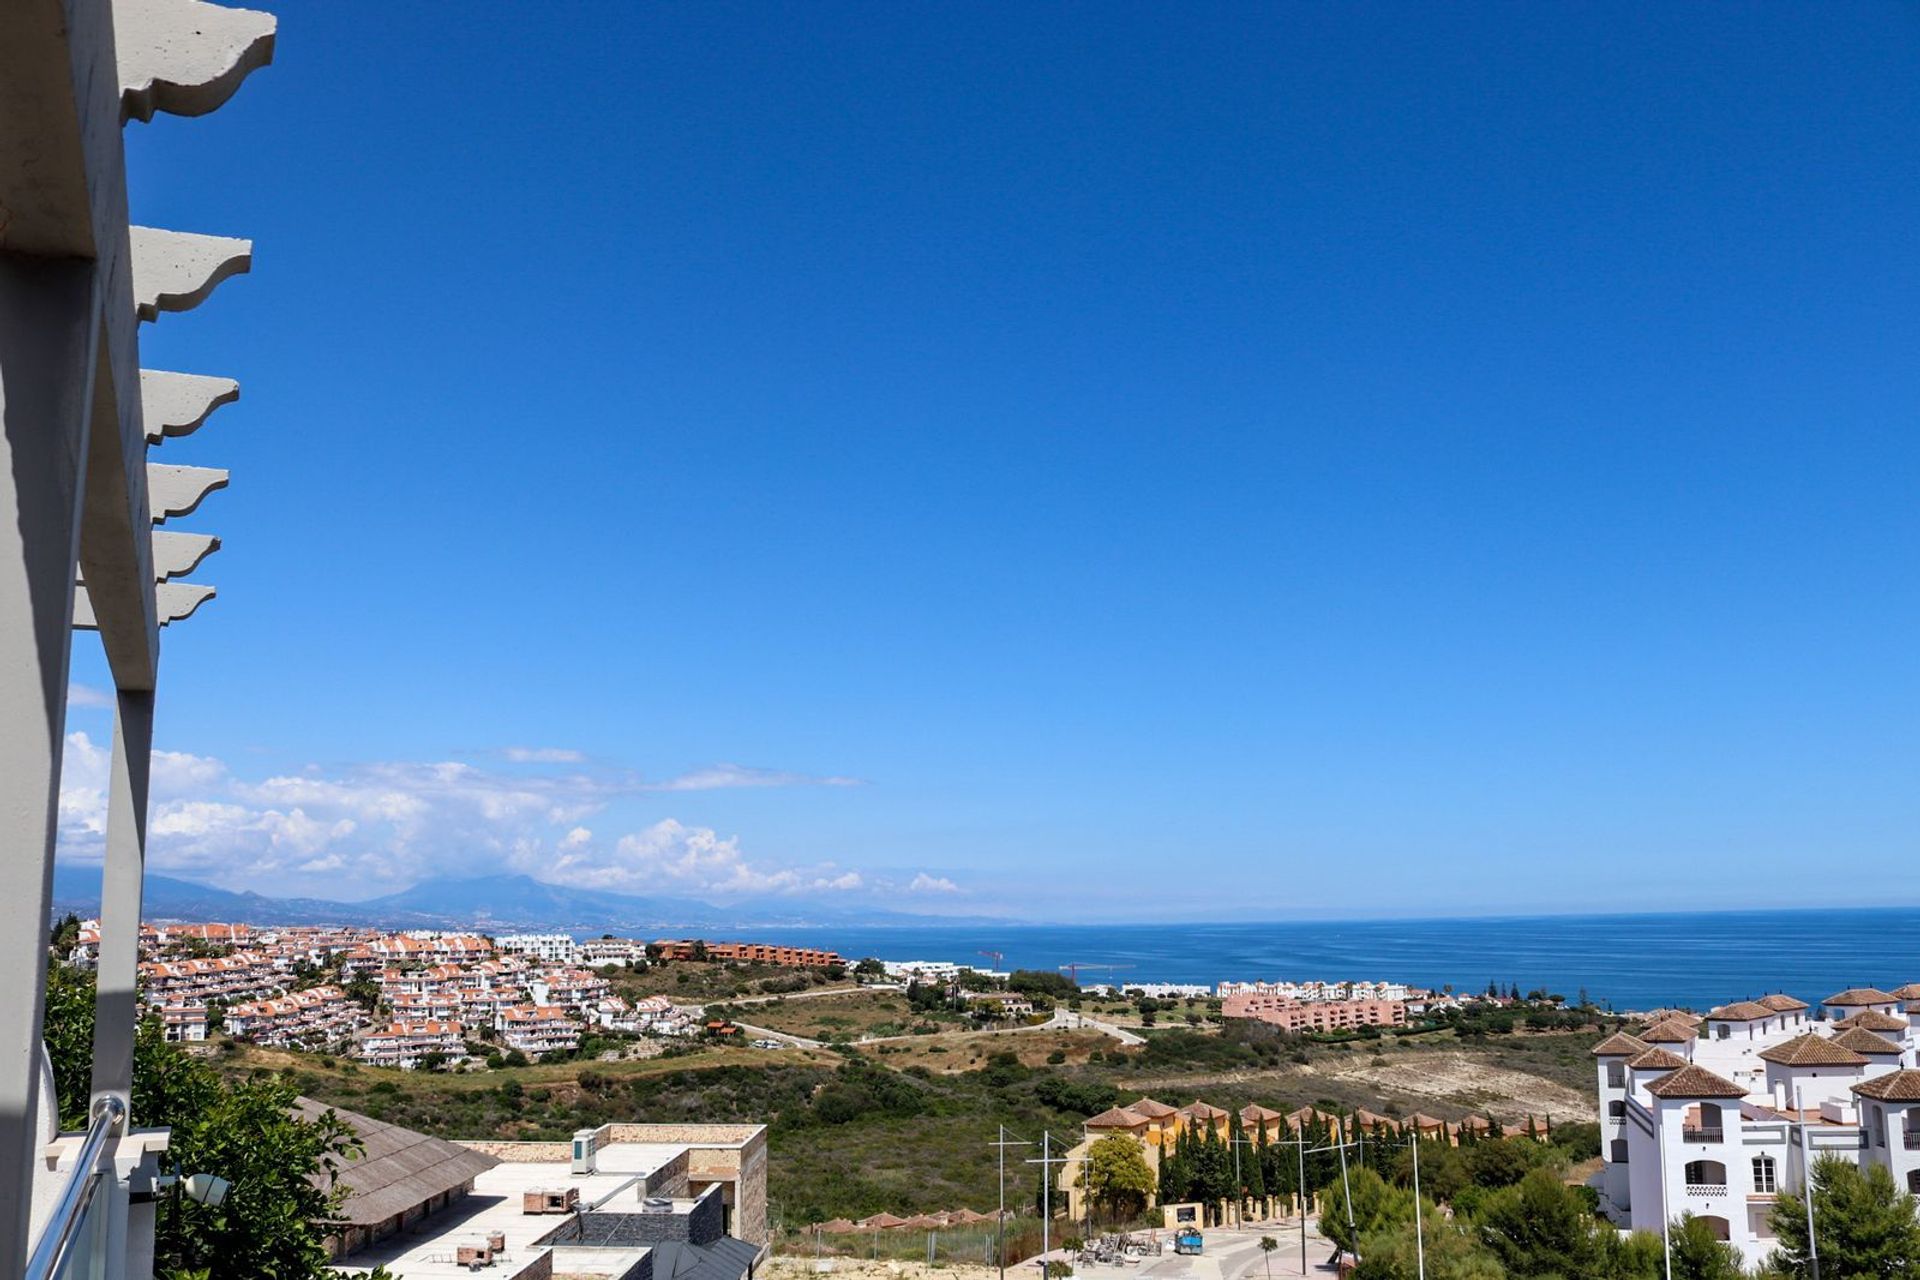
242,1130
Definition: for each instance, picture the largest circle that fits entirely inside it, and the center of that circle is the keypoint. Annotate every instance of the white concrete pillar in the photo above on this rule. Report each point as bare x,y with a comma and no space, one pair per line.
48,336
116,1013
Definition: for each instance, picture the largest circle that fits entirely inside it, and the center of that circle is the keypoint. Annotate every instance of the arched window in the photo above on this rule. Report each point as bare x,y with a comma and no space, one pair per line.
1765,1175
1720,1227
1706,1173
1618,1151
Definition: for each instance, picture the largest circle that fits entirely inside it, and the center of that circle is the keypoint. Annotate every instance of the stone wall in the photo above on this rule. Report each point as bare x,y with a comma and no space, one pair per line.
522,1152
750,1192
541,1268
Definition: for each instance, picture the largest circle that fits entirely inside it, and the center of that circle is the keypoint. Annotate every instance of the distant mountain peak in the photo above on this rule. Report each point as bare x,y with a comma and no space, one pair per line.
502,902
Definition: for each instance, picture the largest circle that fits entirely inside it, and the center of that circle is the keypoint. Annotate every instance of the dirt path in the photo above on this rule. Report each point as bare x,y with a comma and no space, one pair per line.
1451,1080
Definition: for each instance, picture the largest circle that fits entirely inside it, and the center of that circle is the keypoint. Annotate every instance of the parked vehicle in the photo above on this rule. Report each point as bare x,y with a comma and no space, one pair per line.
1188,1241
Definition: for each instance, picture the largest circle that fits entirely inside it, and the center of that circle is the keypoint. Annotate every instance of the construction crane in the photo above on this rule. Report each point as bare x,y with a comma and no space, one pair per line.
995,956
1073,970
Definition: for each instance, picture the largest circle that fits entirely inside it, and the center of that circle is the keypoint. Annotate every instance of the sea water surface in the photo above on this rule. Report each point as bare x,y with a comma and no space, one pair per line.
1624,961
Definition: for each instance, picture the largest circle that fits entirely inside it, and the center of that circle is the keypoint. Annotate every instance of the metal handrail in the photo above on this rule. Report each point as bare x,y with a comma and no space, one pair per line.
68,1212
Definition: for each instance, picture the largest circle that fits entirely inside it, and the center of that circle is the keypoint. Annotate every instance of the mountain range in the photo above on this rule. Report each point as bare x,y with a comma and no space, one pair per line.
499,903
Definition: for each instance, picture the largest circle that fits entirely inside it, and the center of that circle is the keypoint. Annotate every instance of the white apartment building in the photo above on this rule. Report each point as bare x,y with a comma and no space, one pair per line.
1717,1116
313,1018
549,948
1315,992
595,952
1169,990
405,1044
537,1029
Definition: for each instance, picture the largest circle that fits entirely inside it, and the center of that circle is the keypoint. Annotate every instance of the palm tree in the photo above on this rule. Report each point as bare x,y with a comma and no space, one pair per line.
1267,1245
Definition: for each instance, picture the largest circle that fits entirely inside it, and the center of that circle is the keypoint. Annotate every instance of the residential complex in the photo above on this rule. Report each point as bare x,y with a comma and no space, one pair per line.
1717,1116
1157,1127
1307,992
1308,1016
429,992
747,953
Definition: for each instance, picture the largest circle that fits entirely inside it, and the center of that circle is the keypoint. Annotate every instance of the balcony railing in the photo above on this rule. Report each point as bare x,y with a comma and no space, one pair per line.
1693,1134
1706,1188
1911,1139
72,1241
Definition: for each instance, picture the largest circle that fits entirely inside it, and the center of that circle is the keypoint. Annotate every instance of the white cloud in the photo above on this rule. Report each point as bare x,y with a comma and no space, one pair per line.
364,829
671,855
85,695
924,883
544,755
721,776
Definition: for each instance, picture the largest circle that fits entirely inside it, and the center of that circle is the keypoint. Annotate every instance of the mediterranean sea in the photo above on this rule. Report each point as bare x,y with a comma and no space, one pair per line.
1623,961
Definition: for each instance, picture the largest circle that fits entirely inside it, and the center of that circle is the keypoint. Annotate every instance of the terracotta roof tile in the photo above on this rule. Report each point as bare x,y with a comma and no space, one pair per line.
1873,1020
1741,1011
1861,1040
1668,1033
1811,1050
1695,1082
1782,1003
1116,1118
1854,997
1149,1108
1656,1059
1619,1045
1909,992
1895,1086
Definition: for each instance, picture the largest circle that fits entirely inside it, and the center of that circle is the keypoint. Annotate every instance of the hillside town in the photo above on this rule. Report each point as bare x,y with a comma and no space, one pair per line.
419,998
448,999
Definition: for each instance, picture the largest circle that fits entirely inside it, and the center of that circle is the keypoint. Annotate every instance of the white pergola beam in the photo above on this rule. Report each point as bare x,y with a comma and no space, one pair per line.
177,554
186,57
175,404
176,602
177,270
176,491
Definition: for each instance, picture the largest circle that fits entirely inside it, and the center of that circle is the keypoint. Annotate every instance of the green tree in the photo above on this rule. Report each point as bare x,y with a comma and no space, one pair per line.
282,1167
1267,1245
66,934
1864,1224
1375,1206
1501,1164
1393,1252
1542,1227
1697,1255
1118,1178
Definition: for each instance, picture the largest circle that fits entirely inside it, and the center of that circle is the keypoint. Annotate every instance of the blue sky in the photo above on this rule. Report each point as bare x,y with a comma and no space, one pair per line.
1061,461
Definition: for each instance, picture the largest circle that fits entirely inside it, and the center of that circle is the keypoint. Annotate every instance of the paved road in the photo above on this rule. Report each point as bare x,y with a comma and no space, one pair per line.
1231,1255
814,994
768,1033
1061,1020
1119,1033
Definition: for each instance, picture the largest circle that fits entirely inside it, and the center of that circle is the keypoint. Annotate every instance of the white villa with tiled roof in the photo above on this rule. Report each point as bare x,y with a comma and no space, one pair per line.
1712,1116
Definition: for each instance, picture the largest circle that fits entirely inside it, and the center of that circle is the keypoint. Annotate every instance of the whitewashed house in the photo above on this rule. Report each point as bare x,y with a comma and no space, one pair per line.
1717,1120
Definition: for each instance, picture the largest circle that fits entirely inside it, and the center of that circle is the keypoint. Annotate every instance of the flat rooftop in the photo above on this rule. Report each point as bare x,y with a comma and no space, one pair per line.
427,1249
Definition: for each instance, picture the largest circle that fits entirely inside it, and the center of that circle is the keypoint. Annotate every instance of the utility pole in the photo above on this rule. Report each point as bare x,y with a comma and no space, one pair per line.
1806,1183
1300,1146
1346,1186
1000,1223
1046,1163
1419,1227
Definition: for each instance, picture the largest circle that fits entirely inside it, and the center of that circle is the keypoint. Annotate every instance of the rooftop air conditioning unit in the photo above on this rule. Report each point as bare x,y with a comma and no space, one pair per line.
586,1150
